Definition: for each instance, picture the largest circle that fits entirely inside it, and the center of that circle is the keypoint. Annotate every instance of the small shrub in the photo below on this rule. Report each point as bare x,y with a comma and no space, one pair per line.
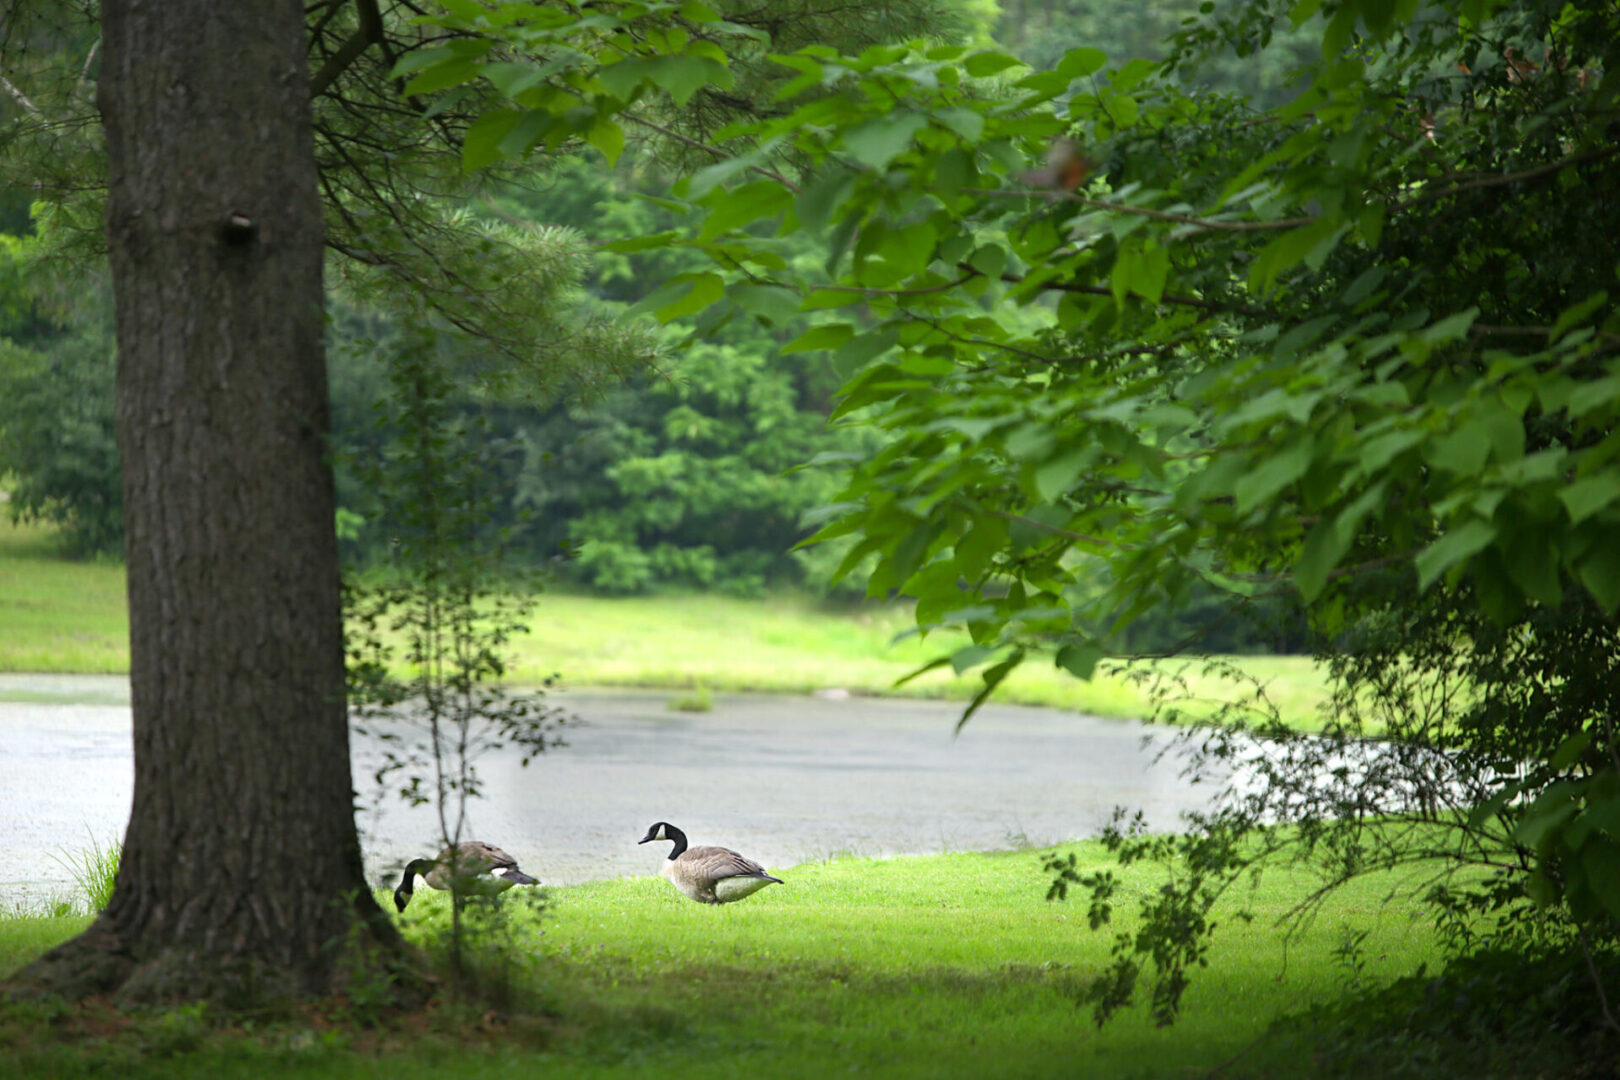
94,869
698,699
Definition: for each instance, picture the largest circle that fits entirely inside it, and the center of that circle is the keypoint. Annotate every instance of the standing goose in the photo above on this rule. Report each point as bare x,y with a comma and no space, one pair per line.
709,875
472,866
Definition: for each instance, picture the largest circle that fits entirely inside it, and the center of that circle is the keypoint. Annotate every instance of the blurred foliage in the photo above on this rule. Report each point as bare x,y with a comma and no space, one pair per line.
58,438
1265,70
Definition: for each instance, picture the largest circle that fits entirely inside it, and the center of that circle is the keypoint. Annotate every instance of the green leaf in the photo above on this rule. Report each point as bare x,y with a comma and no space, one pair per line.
1463,451
773,305
1552,809
1057,475
482,143
1532,563
744,205
976,547
707,179
1122,110
1570,750
1132,74
705,290
1273,473
1488,809
1576,314
1456,545
608,137
1586,497
1601,862
1329,539
443,76
992,678
1322,551
683,76
1081,62
937,662
1594,395
820,198
970,656
1600,573
1451,328
1504,429
964,122
829,336
878,142
1315,241
982,65
1080,658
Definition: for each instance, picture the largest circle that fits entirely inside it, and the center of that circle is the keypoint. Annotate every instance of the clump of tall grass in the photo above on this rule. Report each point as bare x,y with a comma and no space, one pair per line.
699,699
94,869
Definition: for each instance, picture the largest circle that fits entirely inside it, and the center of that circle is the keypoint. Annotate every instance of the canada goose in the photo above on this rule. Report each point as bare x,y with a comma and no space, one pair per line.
473,867
709,875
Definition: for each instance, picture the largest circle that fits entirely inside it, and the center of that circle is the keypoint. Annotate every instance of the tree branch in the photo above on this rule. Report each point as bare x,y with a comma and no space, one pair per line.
1596,154
20,97
1202,224
369,32
1168,298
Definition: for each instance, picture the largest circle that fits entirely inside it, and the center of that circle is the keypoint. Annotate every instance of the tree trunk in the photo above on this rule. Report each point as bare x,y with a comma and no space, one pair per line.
241,879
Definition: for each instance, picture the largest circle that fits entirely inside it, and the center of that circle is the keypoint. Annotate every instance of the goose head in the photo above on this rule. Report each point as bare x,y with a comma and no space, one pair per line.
658,830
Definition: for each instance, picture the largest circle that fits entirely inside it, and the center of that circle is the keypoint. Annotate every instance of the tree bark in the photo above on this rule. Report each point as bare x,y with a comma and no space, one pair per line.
241,879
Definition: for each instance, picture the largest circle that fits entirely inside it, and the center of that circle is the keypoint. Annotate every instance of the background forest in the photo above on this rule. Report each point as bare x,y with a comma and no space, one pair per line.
690,465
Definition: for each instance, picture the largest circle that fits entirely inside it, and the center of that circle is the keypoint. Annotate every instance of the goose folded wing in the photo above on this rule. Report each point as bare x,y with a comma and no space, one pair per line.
721,862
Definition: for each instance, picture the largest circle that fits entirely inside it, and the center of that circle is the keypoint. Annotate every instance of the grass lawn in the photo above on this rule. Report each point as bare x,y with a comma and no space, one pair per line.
62,616
950,965
58,615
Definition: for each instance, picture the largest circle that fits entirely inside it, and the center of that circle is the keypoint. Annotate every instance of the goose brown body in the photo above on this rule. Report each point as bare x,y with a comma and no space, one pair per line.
708,874
470,868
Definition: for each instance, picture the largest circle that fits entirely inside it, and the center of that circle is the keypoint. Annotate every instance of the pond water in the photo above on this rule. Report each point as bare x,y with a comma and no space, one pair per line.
784,779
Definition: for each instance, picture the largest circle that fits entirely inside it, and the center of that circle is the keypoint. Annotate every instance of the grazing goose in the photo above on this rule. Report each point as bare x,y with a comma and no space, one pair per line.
474,867
709,875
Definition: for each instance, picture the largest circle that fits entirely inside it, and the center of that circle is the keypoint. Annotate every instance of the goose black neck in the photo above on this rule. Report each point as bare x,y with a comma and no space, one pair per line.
416,866
672,833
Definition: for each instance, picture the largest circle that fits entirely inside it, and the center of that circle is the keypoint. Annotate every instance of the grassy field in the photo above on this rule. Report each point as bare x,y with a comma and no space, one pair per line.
62,616
55,614
949,965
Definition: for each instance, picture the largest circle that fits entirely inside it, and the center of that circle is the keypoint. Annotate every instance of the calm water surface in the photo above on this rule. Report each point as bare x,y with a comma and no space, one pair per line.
783,779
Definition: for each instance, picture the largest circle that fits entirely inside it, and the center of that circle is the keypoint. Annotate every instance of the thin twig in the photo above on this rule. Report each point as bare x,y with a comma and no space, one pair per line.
1204,224
1168,298
1597,980
90,58
698,144
20,97
874,291
1505,178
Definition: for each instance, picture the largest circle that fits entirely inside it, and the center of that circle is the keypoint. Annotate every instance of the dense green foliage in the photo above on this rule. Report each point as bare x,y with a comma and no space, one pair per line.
57,438
1356,348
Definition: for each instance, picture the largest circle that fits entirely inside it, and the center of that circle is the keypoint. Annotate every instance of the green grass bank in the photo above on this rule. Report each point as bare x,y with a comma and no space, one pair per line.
58,615
950,965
